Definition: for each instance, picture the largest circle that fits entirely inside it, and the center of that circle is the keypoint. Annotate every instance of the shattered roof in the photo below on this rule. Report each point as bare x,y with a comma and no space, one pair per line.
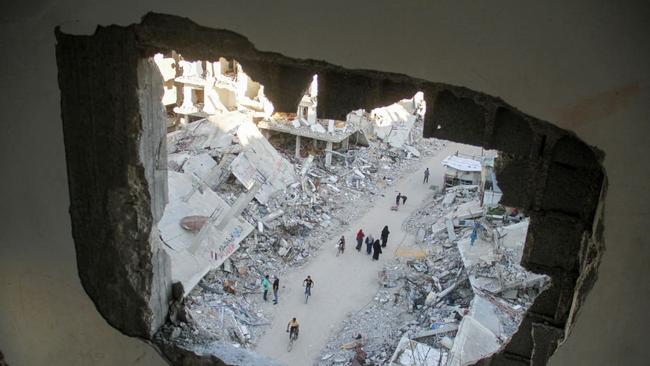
464,164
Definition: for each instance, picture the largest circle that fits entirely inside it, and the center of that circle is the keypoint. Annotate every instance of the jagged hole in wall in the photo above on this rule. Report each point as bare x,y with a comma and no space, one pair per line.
216,180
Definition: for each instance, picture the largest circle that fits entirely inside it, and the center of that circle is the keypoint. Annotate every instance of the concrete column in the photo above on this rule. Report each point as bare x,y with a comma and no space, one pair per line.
184,120
188,98
345,143
297,146
328,154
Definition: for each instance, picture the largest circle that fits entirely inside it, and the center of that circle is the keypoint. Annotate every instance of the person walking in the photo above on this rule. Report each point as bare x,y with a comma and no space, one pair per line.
340,246
384,236
360,235
369,241
403,199
266,284
399,196
474,234
426,176
276,287
376,246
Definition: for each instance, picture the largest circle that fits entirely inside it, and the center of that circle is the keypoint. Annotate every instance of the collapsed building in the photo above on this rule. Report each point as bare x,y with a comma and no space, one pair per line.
226,180
235,195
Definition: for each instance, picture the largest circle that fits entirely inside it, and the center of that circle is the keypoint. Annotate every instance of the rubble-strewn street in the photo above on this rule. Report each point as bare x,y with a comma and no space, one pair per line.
346,283
446,302
254,193
225,304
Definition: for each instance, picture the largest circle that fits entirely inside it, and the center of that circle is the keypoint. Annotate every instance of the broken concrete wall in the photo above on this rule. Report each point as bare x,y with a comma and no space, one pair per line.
153,153
545,170
116,187
393,124
214,354
167,68
558,180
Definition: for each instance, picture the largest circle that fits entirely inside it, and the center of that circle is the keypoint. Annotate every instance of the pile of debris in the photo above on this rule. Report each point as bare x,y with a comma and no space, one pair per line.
218,312
236,220
458,301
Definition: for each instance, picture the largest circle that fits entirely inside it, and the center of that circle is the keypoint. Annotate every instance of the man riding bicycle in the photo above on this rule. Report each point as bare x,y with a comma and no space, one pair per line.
293,327
308,283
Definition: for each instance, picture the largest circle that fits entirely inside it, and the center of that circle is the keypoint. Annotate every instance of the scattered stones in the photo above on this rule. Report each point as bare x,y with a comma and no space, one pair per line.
422,302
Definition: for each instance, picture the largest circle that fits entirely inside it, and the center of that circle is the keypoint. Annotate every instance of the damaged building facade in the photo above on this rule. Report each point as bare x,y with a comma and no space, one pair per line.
227,133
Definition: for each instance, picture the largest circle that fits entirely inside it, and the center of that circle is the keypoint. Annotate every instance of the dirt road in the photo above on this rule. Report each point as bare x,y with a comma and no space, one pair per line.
346,283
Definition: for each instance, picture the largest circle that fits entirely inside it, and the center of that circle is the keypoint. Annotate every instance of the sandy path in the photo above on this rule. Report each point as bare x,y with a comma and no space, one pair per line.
346,283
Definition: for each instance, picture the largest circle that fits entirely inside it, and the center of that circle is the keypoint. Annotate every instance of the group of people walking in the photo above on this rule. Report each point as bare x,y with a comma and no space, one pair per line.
372,245
399,197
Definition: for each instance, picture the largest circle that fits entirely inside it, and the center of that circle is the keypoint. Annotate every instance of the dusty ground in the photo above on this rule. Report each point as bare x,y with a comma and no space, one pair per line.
346,283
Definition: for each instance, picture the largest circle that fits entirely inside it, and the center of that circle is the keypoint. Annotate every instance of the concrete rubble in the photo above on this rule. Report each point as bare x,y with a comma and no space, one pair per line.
242,205
285,231
392,124
456,302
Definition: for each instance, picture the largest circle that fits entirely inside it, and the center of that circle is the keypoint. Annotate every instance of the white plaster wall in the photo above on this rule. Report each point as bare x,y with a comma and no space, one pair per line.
583,65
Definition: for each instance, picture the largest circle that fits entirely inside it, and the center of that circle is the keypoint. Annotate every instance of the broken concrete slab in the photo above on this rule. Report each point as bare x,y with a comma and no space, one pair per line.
261,163
485,312
201,166
448,199
439,329
450,229
410,352
189,265
472,343
392,124
411,150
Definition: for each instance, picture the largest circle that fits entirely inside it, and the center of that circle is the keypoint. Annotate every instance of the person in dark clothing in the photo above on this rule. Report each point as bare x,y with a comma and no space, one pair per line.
369,241
360,236
426,176
276,287
399,196
403,199
376,246
384,236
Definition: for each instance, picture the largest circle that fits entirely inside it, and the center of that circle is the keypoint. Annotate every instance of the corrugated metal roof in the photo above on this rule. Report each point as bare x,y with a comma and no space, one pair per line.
463,164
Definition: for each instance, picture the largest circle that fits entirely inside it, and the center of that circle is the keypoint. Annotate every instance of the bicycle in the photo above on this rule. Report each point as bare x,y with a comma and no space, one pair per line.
307,293
293,335
308,283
